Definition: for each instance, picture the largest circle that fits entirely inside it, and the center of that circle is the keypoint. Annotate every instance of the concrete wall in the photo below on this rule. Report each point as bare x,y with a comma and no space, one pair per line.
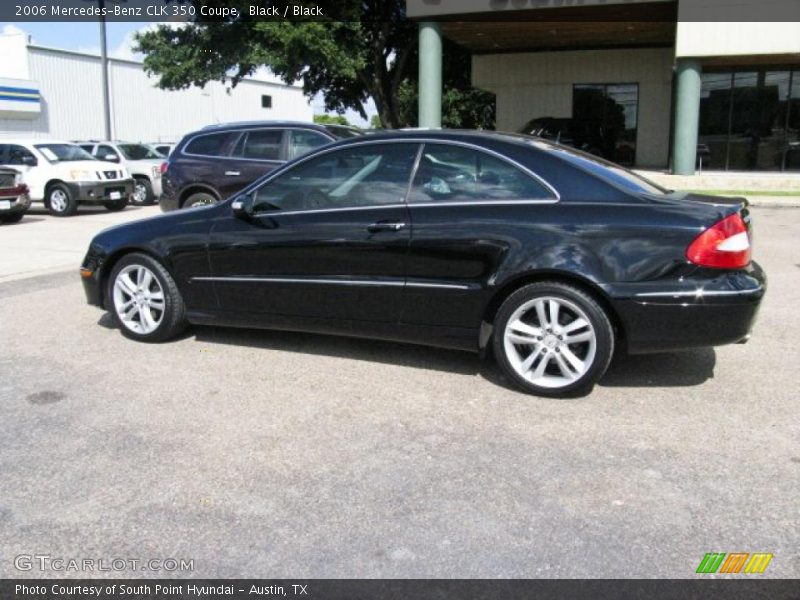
72,101
530,85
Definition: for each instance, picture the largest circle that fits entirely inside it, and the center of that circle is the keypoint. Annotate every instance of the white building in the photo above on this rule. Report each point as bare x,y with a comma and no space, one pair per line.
48,92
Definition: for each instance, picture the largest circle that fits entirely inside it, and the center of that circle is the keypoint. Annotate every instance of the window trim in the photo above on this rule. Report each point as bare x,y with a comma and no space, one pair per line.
421,141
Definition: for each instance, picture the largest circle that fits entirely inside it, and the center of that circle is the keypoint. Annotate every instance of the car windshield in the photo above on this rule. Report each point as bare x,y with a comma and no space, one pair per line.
138,151
63,152
604,169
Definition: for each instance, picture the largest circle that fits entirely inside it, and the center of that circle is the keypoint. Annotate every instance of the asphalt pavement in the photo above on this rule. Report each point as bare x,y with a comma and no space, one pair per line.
268,454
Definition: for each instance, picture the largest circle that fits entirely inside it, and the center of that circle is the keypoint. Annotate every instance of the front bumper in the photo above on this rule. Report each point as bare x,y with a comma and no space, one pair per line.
16,203
101,191
690,313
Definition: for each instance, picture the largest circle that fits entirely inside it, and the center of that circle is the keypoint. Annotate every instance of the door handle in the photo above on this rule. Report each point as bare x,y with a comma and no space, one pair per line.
386,226
233,173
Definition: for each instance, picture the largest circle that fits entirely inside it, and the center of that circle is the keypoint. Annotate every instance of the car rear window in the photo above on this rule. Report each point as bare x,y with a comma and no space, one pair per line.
605,170
211,144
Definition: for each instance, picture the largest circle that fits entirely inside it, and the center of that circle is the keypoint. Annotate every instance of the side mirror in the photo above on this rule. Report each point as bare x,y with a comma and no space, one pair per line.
111,158
29,161
243,207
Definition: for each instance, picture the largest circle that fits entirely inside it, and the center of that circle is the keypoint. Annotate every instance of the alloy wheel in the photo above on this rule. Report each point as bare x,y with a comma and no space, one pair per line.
550,342
139,194
139,299
58,200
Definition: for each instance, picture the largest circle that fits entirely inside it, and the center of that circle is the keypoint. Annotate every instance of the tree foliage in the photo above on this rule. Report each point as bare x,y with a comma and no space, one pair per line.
331,120
347,61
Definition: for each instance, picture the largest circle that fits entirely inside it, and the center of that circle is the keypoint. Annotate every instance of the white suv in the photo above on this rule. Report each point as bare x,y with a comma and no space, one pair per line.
63,175
143,162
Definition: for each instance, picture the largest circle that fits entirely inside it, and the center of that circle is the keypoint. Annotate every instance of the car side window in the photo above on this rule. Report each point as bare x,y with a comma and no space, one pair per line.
369,175
263,144
19,155
449,173
303,142
88,147
103,151
212,144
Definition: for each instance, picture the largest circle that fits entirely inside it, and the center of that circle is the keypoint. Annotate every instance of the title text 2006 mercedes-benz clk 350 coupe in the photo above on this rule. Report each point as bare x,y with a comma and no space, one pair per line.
469,240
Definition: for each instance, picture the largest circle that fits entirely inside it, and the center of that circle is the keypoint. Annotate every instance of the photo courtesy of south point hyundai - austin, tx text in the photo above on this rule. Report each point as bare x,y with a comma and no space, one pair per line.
397,298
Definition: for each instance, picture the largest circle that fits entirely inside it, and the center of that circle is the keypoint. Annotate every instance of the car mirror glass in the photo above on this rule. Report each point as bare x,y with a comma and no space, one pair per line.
111,157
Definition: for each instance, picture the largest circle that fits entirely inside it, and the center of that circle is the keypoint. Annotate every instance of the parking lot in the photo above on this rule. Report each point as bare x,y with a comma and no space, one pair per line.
278,454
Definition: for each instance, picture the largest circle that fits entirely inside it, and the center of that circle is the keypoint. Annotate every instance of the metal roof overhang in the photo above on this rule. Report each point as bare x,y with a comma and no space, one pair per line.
490,26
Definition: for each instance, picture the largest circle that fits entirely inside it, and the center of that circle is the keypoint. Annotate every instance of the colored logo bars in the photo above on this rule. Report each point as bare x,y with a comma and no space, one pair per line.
716,562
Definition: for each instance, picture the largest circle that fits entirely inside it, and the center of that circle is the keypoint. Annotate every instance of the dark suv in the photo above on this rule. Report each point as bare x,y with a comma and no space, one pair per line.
219,160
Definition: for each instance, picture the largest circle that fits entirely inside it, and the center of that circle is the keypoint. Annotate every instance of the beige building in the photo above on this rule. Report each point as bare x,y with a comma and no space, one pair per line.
649,83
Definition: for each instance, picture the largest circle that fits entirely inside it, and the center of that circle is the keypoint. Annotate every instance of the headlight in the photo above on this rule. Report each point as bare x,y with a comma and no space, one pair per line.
124,173
18,180
78,175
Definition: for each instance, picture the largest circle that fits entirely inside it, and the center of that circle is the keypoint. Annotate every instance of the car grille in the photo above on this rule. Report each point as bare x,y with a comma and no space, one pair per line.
109,174
6,180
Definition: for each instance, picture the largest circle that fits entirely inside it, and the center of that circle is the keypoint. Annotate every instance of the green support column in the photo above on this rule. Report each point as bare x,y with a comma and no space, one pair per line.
430,75
687,116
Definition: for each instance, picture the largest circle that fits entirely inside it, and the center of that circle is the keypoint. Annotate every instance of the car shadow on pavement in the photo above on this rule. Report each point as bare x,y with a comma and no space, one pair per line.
26,220
668,369
679,369
394,353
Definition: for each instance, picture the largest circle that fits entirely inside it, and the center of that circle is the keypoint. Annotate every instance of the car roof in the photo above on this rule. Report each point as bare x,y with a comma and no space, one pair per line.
249,124
32,141
460,135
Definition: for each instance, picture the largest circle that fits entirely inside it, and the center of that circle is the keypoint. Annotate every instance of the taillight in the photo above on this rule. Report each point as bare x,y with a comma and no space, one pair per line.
724,245
164,167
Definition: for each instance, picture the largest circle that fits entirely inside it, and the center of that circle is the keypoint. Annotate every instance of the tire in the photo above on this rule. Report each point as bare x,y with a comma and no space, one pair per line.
142,192
199,199
550,365
12,218
60,201
133,298
116,205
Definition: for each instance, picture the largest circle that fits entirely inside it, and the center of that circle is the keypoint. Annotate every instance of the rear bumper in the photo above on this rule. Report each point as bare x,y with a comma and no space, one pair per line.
689,313
100,192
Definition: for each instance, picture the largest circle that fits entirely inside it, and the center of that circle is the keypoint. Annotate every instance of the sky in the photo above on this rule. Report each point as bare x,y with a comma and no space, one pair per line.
85,37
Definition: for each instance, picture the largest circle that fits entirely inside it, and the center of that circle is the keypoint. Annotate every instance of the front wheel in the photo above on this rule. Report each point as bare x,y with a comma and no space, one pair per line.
145,302
142,192
60,201
553,339
116,205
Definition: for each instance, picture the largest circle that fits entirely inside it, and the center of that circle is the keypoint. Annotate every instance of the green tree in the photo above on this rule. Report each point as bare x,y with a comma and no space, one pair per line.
331,120
375,122
371,54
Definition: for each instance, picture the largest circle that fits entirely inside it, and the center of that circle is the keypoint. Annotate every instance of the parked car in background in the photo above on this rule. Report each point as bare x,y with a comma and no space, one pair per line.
581,134
14,198
63,175
142,161
164,149
213,163
465,240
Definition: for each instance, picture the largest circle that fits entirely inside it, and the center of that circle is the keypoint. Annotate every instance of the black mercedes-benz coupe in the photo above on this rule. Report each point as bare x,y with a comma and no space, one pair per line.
547,256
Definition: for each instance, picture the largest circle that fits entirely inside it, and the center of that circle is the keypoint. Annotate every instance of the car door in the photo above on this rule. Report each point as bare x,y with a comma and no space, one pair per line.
328,239
464,203
256,153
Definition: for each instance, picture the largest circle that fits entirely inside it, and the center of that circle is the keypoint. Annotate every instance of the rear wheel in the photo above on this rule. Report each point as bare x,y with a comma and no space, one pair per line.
145,302
553,339
199,199
60,202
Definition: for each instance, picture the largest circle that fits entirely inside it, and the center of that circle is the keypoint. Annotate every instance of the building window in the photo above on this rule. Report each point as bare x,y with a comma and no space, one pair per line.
750,119
605,120
266,101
